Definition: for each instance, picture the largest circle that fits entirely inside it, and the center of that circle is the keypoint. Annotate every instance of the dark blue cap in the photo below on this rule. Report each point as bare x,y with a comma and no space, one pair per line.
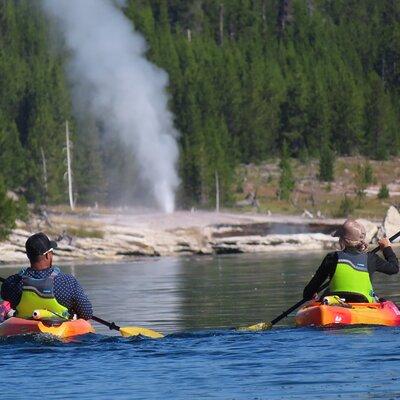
38,244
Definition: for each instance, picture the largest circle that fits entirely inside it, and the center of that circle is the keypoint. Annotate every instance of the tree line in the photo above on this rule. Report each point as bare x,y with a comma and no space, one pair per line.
249,79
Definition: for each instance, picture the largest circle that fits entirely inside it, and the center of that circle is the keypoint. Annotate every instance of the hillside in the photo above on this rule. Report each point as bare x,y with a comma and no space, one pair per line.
259,184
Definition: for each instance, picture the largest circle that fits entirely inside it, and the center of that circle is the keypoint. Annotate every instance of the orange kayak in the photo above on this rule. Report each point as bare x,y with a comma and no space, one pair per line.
18,326
317,314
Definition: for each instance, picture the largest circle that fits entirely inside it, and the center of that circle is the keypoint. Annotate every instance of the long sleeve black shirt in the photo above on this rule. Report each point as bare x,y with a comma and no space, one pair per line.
327,268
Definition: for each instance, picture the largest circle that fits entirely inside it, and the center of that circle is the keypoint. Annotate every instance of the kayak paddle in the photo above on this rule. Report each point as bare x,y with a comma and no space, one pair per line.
263,326
126,331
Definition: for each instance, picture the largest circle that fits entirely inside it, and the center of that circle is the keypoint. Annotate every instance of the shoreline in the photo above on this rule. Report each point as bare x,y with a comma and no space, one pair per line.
129,235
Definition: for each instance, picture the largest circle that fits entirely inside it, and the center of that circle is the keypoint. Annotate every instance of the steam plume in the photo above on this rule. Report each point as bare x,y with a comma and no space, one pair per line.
125,92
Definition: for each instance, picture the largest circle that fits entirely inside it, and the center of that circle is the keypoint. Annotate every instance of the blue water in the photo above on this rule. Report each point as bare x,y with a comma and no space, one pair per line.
279,364
188,301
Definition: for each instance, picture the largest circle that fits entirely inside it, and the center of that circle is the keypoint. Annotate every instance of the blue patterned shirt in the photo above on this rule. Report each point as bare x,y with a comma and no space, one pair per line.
67,291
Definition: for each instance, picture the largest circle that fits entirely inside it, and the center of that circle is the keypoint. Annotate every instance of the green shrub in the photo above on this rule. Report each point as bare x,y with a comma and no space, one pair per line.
346,207
360,194
286,181
365,175
368,174
383,192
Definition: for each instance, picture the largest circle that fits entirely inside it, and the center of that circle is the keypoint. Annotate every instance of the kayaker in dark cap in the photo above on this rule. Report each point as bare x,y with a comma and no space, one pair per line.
350,270
44,287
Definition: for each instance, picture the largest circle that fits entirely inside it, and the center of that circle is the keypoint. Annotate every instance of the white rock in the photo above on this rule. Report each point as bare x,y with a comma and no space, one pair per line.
257,243
391,223
307,214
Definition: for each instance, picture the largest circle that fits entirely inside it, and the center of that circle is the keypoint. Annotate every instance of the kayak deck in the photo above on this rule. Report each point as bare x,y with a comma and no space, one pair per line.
18,326
316,314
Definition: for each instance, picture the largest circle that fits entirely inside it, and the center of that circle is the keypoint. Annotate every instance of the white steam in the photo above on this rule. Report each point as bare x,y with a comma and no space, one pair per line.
125,91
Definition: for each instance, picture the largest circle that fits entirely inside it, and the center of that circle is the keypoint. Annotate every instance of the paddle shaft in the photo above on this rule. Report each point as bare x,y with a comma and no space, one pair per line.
111,325
391,239
295,306
324,286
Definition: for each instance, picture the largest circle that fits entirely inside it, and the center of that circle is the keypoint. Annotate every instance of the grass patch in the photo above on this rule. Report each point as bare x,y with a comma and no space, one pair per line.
85,233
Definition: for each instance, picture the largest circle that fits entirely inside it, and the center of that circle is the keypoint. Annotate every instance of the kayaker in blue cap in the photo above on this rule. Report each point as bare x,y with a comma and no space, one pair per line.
350,270
44,287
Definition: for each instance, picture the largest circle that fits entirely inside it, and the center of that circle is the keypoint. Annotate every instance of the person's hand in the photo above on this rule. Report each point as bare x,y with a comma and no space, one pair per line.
383,243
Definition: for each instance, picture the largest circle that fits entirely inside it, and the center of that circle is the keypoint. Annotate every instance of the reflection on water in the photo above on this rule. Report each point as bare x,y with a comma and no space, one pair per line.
176,294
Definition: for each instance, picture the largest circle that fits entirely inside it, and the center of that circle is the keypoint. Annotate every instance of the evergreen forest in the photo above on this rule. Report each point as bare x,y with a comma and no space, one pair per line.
248,81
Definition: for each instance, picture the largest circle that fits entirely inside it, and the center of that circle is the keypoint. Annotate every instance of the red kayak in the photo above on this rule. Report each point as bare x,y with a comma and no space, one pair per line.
317,314
18,326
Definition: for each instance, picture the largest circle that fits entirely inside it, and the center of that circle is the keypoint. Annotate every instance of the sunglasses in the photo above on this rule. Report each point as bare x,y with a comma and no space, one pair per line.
51,250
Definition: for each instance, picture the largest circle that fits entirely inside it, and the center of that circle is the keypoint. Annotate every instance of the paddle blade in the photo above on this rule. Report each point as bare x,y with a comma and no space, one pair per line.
261,326
128,331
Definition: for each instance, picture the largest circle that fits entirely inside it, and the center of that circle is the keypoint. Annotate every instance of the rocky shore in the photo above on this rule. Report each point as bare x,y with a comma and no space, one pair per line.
122,235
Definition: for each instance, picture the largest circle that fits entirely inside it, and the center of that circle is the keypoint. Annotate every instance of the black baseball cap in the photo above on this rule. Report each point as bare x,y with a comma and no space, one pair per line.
39,244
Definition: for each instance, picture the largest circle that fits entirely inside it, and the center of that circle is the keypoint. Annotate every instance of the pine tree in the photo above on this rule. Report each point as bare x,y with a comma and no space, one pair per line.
326,163
286,180
378,119
13,164
8,211
293,115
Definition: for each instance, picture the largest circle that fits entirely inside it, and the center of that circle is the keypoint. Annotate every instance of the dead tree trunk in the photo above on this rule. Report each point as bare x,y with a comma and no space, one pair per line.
285,15
310,7
44,165
216,192
69,170
221,24
264,15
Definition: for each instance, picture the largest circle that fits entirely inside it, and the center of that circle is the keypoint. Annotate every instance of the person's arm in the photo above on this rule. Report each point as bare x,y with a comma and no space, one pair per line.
4,290
325,270
389,265
11,290
82,305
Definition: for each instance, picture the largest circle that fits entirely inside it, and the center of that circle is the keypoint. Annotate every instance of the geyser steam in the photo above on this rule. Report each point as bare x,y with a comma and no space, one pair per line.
125,92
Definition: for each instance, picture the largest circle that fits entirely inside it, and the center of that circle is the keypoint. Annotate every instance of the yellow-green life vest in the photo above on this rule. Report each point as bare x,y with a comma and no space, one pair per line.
38,294
352,276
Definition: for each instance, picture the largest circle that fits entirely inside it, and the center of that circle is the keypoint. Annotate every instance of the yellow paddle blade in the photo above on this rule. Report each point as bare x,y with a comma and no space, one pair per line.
127,331
261,326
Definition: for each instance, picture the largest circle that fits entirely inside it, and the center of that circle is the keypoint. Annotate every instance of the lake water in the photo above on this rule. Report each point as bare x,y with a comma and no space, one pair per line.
194,301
